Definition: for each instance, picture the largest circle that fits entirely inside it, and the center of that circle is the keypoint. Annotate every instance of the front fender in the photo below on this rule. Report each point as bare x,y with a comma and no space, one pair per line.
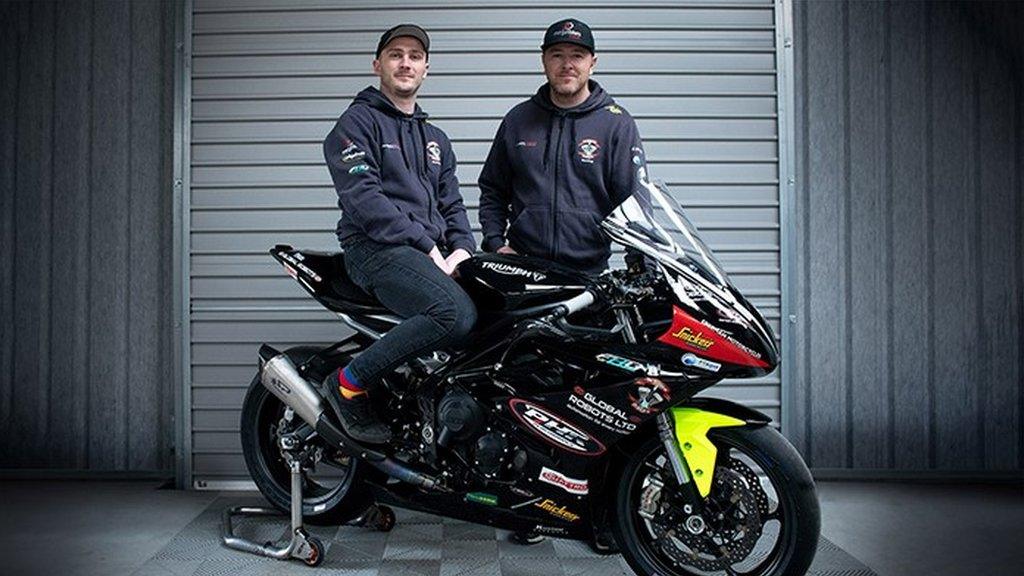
694,420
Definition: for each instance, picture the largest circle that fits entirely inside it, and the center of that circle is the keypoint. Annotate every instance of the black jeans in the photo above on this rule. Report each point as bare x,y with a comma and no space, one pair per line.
438,313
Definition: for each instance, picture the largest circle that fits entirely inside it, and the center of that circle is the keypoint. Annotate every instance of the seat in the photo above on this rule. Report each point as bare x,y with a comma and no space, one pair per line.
325,276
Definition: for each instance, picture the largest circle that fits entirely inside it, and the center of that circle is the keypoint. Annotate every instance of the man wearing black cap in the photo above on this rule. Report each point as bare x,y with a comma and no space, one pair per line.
401,212
561,161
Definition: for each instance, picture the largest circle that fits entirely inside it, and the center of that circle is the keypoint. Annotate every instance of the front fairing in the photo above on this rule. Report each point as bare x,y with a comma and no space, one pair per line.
717,330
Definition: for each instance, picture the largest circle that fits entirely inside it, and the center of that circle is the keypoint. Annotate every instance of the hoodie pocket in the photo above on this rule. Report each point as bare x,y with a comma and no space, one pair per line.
530,232
580,239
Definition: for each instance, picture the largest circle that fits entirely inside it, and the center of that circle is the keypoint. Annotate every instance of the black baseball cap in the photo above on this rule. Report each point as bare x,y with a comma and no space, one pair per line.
569,30
411,30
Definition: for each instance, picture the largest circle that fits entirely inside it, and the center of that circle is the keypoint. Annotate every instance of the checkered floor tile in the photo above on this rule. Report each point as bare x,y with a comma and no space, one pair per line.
420,545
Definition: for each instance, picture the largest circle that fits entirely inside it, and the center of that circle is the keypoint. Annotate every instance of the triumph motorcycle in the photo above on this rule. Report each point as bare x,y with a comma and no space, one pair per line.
572,411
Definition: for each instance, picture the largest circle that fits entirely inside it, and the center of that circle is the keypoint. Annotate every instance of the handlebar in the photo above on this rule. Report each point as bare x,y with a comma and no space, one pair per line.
575,304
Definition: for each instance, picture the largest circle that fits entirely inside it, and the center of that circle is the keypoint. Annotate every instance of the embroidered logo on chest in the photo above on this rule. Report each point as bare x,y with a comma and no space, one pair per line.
434,152
589,149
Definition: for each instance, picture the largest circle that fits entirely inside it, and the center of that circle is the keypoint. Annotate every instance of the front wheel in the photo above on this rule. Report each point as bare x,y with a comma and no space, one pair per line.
761,517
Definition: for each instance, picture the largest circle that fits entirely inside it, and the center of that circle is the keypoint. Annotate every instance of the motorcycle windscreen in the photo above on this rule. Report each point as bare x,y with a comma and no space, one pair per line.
652,222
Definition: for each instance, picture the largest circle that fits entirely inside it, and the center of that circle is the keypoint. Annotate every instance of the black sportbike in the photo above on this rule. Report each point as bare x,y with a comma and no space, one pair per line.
572,412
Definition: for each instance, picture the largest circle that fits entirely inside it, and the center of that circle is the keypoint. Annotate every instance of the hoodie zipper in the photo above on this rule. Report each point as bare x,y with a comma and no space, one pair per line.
554,195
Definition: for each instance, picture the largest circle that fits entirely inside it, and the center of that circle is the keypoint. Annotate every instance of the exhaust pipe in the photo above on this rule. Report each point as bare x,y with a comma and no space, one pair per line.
279,375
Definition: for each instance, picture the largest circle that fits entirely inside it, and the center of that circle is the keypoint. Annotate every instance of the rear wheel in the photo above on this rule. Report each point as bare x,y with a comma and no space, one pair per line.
760,519
333,491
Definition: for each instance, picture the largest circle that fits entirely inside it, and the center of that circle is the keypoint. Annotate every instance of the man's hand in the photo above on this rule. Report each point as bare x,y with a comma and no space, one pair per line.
506,250
455,258
435,255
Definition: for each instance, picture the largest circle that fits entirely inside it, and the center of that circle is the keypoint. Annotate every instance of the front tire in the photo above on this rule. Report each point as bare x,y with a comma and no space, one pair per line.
761,518
333,493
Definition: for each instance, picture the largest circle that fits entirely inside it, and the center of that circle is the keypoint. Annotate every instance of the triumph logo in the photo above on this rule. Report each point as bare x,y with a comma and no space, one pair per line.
555,430
570,485
510,270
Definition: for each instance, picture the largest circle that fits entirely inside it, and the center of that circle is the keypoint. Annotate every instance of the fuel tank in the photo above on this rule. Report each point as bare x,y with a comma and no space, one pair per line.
500,283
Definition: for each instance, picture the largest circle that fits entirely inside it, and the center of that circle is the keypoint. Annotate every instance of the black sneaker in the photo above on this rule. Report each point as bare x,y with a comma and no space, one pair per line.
356,415
525,538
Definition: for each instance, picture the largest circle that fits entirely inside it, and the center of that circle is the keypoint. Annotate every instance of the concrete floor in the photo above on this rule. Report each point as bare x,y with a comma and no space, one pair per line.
112,528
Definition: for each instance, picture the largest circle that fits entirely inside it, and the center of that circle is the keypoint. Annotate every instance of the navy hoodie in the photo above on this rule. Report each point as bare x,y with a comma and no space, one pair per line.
553,174
395,177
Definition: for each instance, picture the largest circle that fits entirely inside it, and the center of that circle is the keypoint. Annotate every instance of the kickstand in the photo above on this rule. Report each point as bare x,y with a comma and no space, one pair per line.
302,546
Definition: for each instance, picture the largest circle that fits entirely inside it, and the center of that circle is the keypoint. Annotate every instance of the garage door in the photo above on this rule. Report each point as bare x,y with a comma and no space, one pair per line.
270,77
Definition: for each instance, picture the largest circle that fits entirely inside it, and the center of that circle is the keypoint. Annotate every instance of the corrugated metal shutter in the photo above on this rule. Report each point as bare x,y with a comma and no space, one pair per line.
270,77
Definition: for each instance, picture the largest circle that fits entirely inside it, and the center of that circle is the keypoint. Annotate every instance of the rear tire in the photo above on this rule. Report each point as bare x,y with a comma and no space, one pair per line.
796,506
325,501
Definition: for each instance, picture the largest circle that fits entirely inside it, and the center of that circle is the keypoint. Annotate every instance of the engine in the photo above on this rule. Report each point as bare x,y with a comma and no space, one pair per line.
462,425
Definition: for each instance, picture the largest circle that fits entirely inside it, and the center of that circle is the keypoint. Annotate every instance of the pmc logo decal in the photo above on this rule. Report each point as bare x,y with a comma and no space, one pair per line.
555,430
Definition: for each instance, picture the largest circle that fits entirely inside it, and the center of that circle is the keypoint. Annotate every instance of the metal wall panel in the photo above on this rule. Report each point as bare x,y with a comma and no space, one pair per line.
84,278
909,248
269,79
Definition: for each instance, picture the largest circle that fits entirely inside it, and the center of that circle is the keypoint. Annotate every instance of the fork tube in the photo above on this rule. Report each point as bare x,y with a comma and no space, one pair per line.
668,438
666,430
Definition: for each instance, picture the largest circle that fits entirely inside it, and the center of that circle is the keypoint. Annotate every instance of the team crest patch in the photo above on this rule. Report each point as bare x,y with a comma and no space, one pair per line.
589,149
434,152
614,109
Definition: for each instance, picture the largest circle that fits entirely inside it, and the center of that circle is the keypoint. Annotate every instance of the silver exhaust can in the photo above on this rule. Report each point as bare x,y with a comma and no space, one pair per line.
280,376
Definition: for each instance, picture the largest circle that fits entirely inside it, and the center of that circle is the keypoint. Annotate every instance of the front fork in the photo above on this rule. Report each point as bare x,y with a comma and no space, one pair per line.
683,432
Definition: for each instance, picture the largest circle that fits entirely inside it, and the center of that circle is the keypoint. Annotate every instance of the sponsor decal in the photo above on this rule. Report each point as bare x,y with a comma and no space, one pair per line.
702,363
390,147
526,144
552,507
349,147
570,485
568,31
359,169
298,265
277,383
651,393
550,530
613,109
623,363
693,339
482,498
589,149
352,156
687,332
510,270
596,410
555,430
434,152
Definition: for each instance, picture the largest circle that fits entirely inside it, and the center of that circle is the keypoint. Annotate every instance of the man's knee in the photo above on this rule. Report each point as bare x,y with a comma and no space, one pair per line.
456,316
464,321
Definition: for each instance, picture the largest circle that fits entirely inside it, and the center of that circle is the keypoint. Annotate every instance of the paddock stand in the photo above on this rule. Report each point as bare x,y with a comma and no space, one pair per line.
302,546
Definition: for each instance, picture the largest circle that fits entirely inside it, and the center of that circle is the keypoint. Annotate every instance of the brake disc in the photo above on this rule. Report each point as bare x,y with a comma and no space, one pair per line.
732,521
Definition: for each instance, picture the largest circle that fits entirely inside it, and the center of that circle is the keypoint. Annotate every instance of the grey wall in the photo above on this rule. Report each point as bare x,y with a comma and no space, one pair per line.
909,243
270,77
85,356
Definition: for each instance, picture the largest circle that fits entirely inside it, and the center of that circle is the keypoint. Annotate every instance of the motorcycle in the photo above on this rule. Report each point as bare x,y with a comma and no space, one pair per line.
571,411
